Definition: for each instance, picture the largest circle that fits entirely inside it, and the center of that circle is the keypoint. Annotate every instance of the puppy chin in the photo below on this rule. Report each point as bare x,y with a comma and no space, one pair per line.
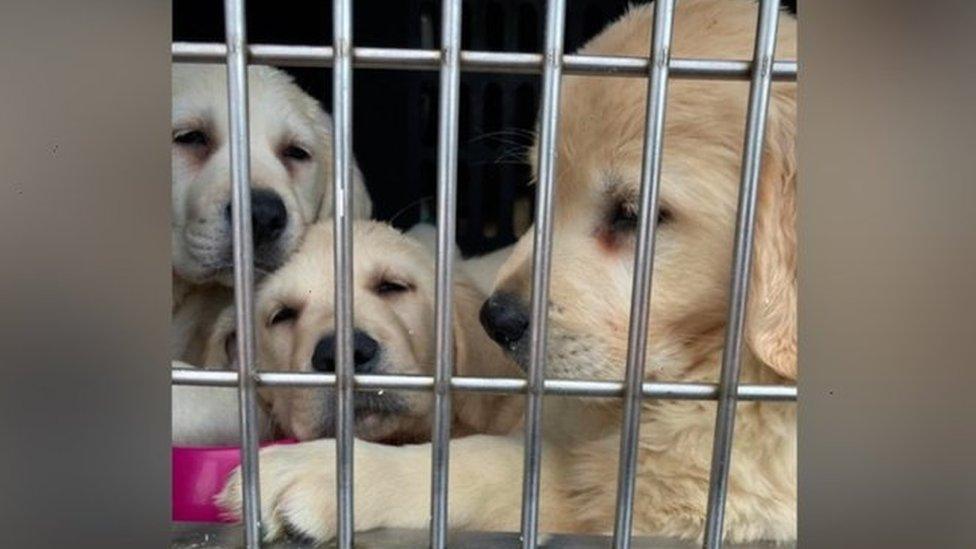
377,418
196,273
217,272
389,430
265,263
210,259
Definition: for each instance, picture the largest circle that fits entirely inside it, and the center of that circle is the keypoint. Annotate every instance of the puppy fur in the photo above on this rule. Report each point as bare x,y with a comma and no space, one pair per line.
291,159
393,299
599,159
479,269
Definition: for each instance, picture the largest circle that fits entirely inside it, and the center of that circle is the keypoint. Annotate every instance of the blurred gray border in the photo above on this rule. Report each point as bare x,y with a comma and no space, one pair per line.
888,267
84,272
887,273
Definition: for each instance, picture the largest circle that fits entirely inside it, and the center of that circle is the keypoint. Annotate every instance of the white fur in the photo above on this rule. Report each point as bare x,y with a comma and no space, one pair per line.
280,114
480,269
208,416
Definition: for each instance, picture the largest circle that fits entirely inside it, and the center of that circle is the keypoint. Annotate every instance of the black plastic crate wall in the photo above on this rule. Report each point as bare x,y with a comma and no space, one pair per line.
395,118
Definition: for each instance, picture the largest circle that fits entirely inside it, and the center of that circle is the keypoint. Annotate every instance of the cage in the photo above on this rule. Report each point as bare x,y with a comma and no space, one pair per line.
504,59
496,112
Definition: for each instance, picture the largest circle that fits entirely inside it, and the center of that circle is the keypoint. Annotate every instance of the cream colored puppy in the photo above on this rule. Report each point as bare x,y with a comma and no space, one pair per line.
291,178
480,269
599,160
394,334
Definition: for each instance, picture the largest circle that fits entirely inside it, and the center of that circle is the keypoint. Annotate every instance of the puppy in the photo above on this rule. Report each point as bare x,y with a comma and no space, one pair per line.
393,313
599,159
291,180
479,269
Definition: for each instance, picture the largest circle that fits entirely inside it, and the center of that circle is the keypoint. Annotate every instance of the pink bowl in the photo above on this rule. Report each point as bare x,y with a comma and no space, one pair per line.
199,474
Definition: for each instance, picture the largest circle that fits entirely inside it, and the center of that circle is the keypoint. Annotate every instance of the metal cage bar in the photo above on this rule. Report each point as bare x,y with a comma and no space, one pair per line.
446,221
499,385
450,61
342,218
759,88
541,257
240,167
657,95
480,61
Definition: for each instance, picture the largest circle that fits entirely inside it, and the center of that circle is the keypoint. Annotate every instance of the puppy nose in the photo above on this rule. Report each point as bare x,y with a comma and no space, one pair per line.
504,318
364,349
269,217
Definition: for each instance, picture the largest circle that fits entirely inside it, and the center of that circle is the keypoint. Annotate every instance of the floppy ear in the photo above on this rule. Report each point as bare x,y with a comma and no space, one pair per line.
476,355
220,353
771,322
362,205
221,349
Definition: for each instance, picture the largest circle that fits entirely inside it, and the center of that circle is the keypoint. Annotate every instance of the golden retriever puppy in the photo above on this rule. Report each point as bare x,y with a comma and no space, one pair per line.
291,178
479,269
599,159
394,334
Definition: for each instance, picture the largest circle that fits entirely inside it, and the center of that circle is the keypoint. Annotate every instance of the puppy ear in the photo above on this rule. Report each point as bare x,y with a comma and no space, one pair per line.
771,315
362,205
221,350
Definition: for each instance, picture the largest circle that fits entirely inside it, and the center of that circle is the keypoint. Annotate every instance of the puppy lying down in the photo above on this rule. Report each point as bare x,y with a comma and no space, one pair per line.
394,334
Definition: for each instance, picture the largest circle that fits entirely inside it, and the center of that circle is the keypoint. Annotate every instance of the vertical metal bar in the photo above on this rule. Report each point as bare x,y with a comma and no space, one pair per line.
446,220
551,85
762,63
342,170
236,35
657,90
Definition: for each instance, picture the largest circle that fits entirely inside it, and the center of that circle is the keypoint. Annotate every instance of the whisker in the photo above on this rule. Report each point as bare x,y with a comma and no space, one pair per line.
407,208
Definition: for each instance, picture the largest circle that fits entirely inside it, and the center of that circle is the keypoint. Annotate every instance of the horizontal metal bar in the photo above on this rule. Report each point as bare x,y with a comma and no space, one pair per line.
559,387
479,61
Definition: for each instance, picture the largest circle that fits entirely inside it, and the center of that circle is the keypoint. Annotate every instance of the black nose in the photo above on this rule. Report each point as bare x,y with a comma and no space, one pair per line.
504,318
364,349
269,217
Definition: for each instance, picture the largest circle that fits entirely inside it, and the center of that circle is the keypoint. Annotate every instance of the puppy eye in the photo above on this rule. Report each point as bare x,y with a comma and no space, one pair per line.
192,138
663,215
284,314
388,287
295,152
625,218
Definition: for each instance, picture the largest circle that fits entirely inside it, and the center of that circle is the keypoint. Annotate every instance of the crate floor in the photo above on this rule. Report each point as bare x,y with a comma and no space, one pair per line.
201,536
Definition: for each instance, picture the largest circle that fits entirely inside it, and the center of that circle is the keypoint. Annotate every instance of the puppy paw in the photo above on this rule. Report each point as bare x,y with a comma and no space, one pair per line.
298,491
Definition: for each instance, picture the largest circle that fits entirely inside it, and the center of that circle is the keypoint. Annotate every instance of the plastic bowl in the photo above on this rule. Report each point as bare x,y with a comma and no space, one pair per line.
199,474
